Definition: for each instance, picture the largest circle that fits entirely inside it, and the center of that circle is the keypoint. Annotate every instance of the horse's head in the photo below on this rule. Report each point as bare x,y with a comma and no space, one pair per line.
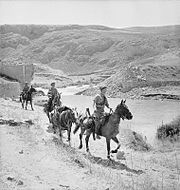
123,111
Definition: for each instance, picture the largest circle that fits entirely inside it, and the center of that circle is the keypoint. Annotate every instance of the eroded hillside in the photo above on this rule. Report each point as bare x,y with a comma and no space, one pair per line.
145,55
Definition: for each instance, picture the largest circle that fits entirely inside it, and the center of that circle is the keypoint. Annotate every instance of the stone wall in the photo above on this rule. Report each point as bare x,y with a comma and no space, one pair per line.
21,72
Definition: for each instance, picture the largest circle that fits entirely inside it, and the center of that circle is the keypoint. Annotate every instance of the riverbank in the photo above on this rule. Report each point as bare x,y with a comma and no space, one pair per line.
146,93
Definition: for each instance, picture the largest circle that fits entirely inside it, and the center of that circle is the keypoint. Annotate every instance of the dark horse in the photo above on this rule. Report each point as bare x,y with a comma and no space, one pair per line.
49,108
109,129
62,119
27,97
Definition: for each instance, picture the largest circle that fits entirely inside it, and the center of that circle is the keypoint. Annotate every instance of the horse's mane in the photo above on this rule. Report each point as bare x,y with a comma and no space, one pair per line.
63,108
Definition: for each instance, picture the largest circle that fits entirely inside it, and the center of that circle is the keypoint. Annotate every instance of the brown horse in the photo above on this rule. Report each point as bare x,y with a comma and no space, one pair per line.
63,119
109,130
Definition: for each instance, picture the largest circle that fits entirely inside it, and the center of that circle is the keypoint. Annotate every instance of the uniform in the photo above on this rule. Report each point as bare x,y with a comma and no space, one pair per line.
100,101
51,95
25,90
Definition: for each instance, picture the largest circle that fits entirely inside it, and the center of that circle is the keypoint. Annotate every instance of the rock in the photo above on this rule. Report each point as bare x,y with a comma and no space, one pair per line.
11,178
30,122
20,182
21,152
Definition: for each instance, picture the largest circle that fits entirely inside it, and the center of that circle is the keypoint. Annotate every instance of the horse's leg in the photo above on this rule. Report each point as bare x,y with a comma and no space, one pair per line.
26,104
31,104
69,132
80,137
108,147
118,145
22,103
88,134
60,132
21,100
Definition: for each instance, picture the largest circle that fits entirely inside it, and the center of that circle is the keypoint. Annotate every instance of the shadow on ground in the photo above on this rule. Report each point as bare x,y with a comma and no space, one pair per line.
94,159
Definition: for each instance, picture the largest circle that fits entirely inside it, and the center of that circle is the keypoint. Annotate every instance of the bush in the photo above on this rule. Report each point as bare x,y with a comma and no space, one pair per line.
170,130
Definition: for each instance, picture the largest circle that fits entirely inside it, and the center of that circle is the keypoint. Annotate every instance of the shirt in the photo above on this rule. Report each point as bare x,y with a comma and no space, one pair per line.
25,89
100,102
52,92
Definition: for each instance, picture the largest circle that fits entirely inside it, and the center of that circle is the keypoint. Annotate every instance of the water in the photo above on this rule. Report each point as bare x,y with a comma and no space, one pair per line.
67,90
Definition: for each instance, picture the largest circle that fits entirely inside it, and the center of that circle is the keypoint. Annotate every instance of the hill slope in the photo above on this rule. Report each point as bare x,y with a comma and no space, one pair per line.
154,52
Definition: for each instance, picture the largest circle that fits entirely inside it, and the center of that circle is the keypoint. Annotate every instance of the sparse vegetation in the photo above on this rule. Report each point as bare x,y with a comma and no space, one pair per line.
170,130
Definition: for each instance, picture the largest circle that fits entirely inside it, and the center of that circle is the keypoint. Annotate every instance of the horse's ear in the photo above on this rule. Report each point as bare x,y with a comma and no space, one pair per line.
122,101
125,101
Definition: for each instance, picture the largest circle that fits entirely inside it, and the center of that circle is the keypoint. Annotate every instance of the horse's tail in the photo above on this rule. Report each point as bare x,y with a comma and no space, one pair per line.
76,129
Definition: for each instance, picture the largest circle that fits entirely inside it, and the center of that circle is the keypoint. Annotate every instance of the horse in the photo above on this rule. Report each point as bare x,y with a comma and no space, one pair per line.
62,119
109,129
25,97
55,102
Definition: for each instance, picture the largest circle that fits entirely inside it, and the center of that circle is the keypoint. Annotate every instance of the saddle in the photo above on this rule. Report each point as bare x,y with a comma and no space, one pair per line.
104,119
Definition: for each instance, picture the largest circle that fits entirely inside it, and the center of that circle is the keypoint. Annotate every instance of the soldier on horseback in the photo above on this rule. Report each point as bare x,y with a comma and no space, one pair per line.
99,103
26,88
51,95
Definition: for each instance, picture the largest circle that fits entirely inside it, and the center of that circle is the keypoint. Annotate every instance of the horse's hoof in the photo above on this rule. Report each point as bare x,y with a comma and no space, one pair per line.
108,157
114,151
80,146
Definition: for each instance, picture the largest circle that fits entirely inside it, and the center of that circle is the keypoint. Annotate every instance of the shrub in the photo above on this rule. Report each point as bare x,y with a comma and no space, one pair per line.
170,130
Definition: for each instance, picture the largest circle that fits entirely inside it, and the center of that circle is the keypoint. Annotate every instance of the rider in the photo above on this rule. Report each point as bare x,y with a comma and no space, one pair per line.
26,88
51,95
100,101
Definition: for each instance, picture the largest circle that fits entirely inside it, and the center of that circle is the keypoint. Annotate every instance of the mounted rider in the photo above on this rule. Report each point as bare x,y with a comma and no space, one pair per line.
51,95
25,89
99,103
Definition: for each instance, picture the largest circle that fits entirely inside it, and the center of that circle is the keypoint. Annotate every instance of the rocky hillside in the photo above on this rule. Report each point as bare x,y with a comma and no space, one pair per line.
130,56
